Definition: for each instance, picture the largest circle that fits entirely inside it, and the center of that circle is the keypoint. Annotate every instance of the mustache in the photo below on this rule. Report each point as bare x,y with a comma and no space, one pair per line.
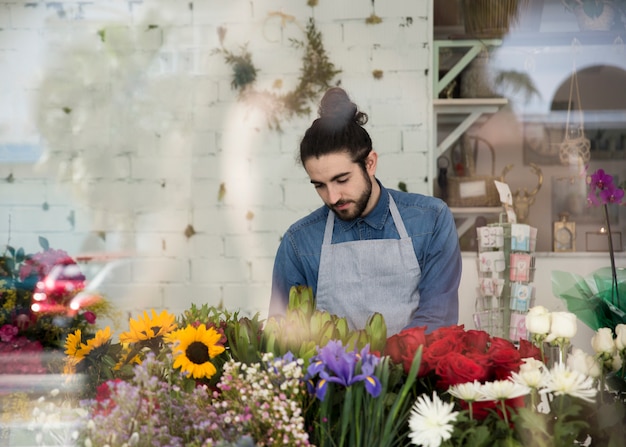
340,203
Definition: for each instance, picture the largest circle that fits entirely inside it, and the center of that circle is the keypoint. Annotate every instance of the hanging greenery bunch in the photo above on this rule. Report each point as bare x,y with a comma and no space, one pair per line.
316,74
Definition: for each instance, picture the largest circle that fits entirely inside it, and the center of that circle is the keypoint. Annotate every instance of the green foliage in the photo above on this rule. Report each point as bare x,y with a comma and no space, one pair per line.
316,74
304,328
244,71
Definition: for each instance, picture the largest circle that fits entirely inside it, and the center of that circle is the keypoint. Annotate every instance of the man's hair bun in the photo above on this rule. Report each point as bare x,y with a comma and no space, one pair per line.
337,106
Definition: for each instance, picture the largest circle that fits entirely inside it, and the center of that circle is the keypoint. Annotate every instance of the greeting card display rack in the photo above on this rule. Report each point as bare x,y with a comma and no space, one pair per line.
506,269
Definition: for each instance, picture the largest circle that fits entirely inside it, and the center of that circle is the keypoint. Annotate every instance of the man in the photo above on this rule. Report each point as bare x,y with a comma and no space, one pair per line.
369,249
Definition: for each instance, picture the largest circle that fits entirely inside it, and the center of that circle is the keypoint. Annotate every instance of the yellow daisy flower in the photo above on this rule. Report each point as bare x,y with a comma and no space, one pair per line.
149,327
193,349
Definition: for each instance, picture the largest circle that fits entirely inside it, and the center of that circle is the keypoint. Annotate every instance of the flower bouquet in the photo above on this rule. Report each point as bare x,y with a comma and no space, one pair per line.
209,378
25,335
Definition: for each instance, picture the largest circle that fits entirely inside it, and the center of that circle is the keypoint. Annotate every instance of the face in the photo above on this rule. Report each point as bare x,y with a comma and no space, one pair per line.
342,184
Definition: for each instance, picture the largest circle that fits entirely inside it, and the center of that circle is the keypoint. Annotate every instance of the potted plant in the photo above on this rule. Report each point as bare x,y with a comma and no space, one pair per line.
492,18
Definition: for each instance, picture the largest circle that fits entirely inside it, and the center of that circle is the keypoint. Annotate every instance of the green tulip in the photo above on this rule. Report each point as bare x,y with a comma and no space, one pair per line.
319,319
341,324
301,297
376,329
327,333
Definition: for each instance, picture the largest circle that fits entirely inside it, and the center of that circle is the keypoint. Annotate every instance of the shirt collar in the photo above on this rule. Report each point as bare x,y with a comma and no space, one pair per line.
376,218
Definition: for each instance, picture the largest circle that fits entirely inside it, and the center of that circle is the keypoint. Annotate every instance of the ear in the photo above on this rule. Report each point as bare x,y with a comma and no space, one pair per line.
370,163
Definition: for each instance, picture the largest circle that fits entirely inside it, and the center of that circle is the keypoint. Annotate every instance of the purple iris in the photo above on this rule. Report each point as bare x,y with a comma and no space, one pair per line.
334,364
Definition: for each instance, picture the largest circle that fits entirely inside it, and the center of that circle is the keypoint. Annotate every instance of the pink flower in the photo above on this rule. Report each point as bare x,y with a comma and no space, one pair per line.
7,332
90,317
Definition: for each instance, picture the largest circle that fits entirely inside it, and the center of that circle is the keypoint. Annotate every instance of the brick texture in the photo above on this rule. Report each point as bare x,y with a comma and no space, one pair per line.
148,151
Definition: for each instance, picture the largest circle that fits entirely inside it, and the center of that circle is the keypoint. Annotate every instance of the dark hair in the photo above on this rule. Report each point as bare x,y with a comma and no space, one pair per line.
339,128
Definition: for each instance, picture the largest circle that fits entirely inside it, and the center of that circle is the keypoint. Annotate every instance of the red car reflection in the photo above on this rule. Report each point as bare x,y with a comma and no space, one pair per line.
54,292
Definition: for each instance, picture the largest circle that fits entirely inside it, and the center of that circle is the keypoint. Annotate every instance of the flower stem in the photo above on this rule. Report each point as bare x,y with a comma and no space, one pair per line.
615,291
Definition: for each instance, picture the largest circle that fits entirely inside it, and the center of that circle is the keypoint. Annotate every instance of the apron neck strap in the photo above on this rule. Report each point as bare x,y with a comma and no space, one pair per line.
395,215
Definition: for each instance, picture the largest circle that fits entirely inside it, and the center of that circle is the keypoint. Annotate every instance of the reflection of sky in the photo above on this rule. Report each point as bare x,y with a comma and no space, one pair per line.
550,65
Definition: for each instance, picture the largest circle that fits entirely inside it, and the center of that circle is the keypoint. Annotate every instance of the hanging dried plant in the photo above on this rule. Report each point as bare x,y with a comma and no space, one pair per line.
316,74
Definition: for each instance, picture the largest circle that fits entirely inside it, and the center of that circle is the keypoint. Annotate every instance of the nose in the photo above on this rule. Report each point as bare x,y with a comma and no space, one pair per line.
334,195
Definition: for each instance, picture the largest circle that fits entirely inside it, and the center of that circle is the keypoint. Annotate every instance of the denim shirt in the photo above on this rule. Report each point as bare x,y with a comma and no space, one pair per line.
432,229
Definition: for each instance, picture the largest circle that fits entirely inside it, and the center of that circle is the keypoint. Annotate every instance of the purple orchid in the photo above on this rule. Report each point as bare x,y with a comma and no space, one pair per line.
334,364
602,190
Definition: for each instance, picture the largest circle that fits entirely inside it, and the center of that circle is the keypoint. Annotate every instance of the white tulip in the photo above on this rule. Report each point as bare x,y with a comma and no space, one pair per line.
538,320
620,337
584,363
602,342
562,325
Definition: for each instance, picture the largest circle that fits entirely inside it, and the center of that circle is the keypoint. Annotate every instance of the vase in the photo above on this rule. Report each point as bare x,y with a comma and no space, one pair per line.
554,355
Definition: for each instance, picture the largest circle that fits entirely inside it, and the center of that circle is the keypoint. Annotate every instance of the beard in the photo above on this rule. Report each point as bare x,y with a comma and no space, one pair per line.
359,204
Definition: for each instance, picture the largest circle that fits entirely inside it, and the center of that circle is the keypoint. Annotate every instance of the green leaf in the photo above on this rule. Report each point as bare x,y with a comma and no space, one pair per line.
43,242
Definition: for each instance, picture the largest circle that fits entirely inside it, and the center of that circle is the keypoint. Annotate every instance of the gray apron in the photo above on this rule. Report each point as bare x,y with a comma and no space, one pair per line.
358,278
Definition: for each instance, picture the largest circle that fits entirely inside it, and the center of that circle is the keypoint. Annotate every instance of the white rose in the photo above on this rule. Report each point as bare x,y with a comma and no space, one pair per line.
617,362
602,342
562,325
584,363
620,337
538,320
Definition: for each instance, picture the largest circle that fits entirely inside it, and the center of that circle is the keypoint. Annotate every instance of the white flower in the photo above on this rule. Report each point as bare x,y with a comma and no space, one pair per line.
532,373
562,325
620,336
617,362
563,380
584,363
602,341
469,391
502,390
538,320
431,421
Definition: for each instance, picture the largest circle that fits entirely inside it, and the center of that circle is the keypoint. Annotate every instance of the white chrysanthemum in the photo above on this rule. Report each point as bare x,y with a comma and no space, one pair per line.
503,390
532,373
431,421
563,380
469,391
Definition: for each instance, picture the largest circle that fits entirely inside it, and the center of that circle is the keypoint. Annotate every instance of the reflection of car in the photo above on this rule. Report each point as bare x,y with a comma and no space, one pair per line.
55,290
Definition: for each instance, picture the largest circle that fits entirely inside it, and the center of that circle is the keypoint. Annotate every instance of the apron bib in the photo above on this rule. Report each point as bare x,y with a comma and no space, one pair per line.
358,278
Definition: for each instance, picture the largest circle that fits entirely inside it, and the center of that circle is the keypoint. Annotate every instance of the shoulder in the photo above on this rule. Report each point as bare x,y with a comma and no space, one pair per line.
316,219
418,203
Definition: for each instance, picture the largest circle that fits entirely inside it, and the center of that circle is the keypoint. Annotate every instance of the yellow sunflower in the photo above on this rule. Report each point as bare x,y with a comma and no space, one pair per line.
73,344
124,357
149,327
194,348
102,337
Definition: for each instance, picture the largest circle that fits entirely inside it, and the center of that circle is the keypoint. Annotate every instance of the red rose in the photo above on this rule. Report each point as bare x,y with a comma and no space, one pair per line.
505,358
476,340
456,368
445,332
438,349
402,346
527,349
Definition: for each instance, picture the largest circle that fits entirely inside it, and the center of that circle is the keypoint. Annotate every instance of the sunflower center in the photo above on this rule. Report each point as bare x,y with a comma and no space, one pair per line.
197,353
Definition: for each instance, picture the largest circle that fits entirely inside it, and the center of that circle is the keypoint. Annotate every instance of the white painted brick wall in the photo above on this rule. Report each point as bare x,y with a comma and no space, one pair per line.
155,129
